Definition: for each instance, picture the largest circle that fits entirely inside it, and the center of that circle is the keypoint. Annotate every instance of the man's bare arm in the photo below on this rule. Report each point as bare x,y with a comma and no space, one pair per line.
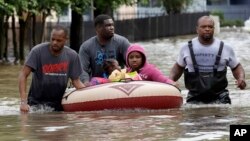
176,72
239,75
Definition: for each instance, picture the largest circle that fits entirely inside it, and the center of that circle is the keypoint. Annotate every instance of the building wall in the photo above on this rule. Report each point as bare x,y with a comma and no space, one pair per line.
232,9
232,12
197,6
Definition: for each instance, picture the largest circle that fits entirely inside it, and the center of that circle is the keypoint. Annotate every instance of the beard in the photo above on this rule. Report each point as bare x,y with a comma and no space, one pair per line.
207,37
109,36
56,49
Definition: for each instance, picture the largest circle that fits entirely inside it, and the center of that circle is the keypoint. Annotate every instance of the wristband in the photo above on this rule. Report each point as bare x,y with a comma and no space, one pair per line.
23,102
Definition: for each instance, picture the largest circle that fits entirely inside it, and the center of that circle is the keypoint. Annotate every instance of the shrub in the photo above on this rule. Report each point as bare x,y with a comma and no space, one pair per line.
224,22
232,23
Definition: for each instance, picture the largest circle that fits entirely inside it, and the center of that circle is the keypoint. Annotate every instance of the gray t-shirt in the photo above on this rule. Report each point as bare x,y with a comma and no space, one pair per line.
205,56
92,55
50,73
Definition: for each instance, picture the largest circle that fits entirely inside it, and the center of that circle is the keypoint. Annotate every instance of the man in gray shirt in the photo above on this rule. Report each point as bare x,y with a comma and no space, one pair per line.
105,45
51,64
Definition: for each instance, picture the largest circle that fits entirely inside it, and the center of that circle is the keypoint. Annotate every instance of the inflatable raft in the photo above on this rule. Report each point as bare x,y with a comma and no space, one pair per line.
123,95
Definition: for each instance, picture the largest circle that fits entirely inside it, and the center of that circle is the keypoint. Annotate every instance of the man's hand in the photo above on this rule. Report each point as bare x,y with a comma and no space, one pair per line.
24,107
241,83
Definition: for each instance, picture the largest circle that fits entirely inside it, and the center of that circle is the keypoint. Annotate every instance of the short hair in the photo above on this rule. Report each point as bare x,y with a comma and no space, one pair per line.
107,63
61,27
99,20
202,18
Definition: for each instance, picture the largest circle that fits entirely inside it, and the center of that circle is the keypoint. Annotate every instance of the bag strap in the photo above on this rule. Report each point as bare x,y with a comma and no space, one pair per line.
218,56
192,56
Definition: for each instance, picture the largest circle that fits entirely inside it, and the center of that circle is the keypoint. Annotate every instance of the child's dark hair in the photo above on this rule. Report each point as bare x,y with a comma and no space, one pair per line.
107,63
143,59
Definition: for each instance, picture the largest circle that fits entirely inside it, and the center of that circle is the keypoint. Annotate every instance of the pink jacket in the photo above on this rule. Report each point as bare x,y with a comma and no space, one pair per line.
148,72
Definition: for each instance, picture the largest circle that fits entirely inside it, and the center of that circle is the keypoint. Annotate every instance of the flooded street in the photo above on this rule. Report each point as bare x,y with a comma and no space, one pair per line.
189,123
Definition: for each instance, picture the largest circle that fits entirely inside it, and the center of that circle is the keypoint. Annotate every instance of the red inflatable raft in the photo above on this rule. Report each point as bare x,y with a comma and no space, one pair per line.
123,95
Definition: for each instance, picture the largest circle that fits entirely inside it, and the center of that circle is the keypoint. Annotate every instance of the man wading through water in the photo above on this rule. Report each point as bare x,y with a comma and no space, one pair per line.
204,61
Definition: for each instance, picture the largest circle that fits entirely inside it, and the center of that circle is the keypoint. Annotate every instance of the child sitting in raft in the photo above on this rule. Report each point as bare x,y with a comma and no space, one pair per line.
113,73
110,66
136,62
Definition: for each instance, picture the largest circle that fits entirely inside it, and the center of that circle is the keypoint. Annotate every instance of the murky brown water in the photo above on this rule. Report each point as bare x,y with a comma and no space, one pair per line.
189,123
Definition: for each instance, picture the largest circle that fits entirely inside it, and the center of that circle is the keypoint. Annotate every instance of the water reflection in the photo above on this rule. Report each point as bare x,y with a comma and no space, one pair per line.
8,80
48,127
190,122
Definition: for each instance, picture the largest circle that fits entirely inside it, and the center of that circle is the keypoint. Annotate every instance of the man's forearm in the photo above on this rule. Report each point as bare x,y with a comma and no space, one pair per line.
238,72
176,72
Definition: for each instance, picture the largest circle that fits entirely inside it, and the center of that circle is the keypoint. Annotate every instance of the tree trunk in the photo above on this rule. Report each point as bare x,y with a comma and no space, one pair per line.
33,30
1,36
21,38
13,26
76,31
6,27
42,37
22,34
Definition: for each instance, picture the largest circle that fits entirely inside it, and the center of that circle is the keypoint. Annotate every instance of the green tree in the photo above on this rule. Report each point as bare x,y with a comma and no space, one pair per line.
108,6
45,8
175,6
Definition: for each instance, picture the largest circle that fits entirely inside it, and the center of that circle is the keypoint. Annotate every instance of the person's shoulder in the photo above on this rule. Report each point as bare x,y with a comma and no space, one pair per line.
120,41
89,42
217,40
118,37
69,50
40,46
150,70
225,44
149,67
194,41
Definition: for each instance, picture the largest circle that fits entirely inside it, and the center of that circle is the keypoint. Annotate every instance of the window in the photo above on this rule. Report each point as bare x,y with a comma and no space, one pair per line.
217,2
239,2
150,3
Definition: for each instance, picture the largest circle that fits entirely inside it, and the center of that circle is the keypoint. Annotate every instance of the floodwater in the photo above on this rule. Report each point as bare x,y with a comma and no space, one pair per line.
188,123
